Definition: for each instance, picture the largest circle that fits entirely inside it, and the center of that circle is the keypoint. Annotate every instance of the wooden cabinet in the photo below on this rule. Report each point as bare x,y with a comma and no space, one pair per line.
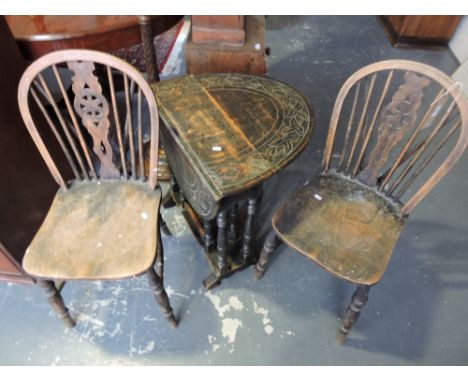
26,187
10,269
420,30
227,30
226,44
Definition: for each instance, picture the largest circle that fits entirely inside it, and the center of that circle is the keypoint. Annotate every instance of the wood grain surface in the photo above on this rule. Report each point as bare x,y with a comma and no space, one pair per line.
345,227
237,130
96,230
38,35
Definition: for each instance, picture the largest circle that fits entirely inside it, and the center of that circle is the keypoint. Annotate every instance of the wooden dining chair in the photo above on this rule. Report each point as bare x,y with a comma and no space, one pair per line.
103,223
392,137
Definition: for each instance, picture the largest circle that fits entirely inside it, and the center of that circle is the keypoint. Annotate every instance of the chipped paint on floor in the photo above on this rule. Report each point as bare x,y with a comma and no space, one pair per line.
229,328
265,319
233,303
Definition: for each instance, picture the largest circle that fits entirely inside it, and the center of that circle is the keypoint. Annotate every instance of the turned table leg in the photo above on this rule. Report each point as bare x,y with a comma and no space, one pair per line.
56,301
271,242
169,199
208,239
358,301
233,224
221,242
249,227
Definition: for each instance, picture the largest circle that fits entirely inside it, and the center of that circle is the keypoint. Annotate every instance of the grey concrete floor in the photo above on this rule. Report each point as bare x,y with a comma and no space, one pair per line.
415,315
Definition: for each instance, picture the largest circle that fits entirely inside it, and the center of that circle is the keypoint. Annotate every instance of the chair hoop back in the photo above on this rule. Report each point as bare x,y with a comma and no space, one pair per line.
89,127
391,137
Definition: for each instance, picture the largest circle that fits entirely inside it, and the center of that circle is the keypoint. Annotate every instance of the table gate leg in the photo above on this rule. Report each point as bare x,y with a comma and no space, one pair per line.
208,239
221,243
271,242
233,225
249,227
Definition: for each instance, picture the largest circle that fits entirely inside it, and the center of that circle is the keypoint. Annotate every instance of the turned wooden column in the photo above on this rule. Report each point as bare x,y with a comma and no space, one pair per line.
56,301
233,224
221,243
358,301
156,284
147,38
249,231
271,242
208,240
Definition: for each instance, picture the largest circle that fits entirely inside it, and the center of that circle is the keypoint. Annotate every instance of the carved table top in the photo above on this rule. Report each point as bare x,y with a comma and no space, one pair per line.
236,130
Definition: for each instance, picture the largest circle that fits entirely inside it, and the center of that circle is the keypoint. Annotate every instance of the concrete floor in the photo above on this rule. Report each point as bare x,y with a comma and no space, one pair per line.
415,315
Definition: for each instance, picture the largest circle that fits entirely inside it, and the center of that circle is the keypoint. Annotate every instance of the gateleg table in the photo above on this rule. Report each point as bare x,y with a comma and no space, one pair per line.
224,135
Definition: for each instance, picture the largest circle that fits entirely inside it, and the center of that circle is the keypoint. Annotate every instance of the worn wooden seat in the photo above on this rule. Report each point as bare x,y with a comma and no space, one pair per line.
347,228
103,222
96,230
392,138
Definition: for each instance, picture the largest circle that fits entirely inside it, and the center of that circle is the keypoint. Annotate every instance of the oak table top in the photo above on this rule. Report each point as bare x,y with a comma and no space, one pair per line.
237,130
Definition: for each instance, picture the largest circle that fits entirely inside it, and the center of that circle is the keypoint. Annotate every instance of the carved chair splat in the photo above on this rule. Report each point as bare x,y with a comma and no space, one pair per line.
104,221
391,140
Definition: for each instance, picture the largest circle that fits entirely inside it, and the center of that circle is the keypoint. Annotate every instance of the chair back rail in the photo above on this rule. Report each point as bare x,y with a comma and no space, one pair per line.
98,138
396,116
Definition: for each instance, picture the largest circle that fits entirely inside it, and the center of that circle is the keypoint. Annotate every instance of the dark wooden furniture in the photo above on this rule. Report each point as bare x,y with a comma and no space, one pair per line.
103,223
423,31
10,268
39,35
147,37
26,187
222,30
224,135
391,139
221,50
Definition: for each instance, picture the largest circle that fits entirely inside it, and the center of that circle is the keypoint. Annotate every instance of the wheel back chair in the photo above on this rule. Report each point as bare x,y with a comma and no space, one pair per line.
103,223
398,122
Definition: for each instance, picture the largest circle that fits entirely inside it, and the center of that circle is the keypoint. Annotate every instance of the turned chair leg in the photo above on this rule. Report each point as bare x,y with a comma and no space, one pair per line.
271,242
56,301
156,284
358,301
159,263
